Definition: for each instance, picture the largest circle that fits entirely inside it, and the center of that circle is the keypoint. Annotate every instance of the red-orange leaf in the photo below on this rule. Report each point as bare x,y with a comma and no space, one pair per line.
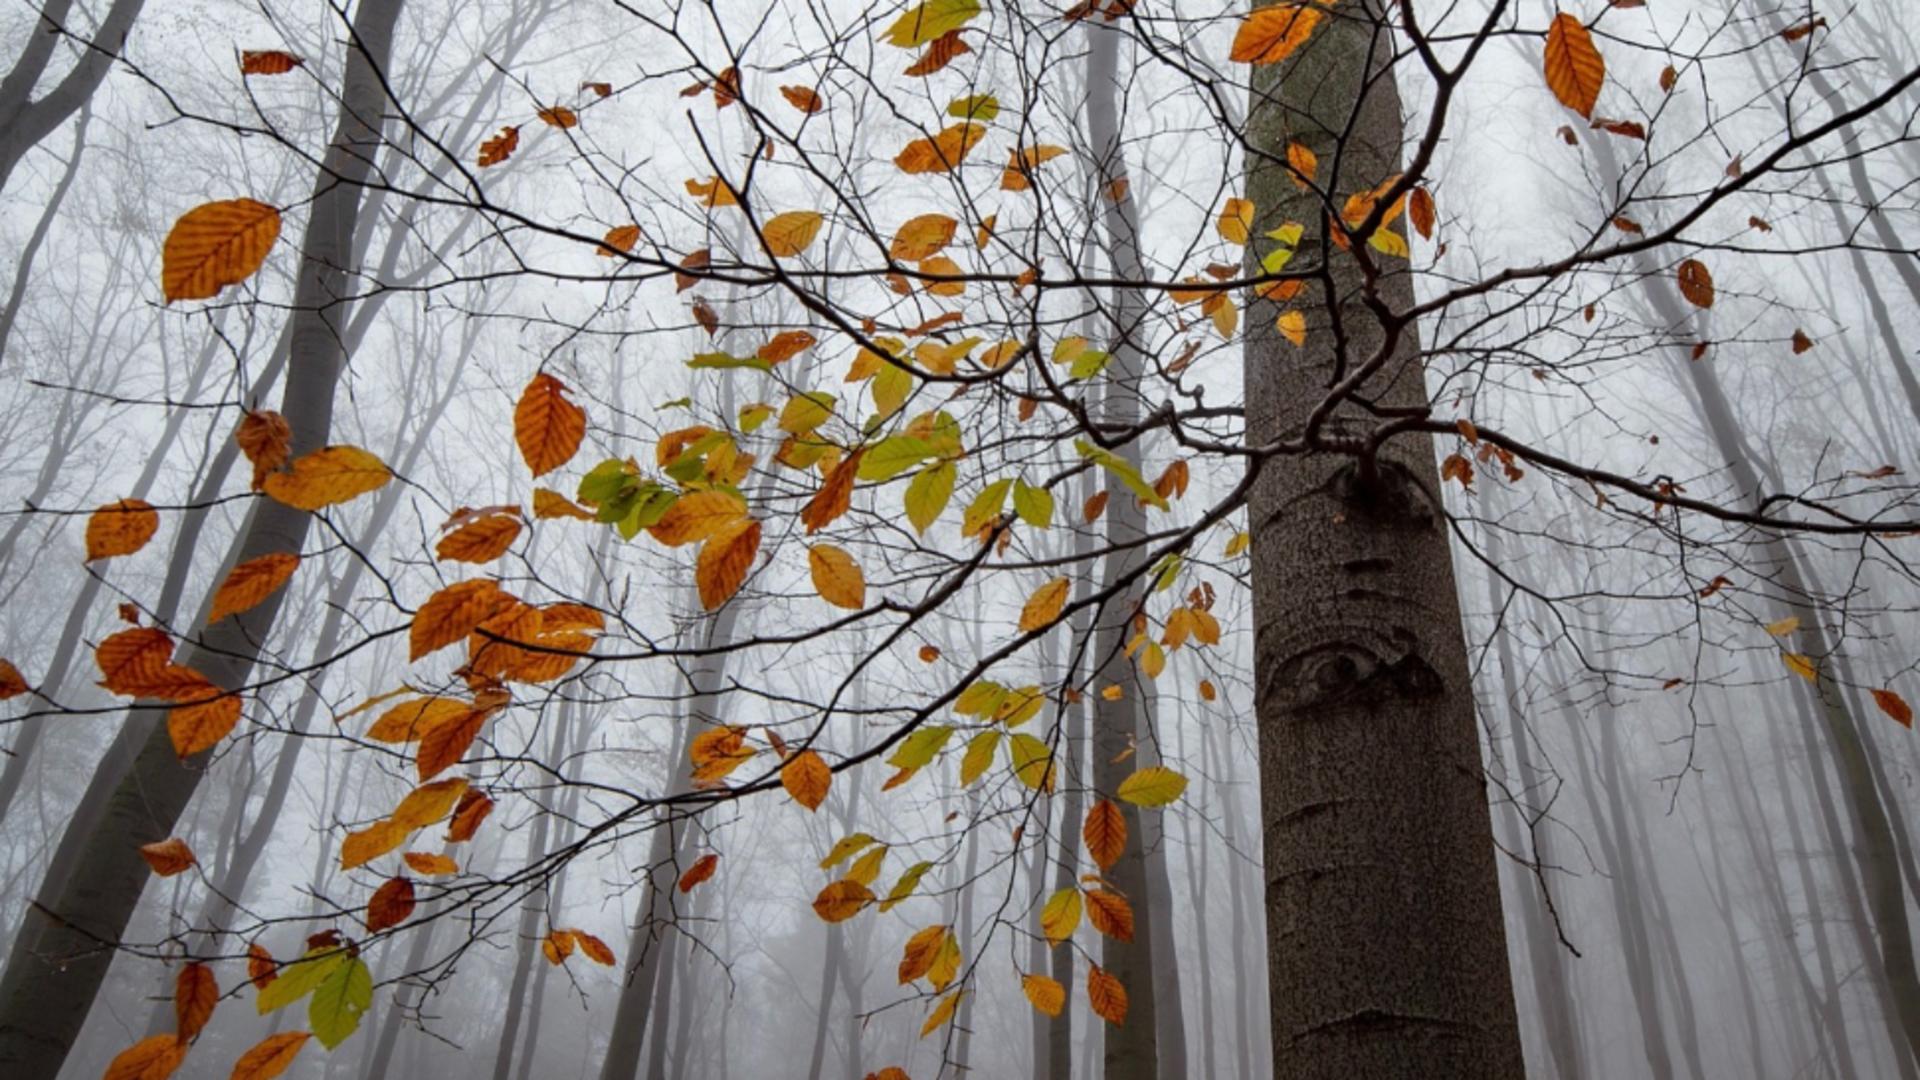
1105,833
480,541
120,528
216,245
1696,284
834,497
12,683
152,1058
499,148
200,725
1574,68
593,948
261,970
270,1057
135,661
802,98
195,993
941,51
267,440
701,870
168,857
1110,914
390,904
1895,706
451,614
1107,996
619,240
447,743
1271,34
251,582
547,426
806,778
473,809
724,561
268,62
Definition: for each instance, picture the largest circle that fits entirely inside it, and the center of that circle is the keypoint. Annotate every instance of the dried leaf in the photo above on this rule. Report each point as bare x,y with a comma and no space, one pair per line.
215,245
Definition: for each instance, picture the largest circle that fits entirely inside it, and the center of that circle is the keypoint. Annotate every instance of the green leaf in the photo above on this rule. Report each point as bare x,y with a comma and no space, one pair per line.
979,756
338,1003
919,748
648,509
1021,706
980,698
892,384
804,412
297,979
928,494
1155,785
676,403
1033,504
892,456
985,506
604,481
1122,471
845,848
752,416
932,19
1166,572
981,107
908,882
1089,363
1032,762
720,360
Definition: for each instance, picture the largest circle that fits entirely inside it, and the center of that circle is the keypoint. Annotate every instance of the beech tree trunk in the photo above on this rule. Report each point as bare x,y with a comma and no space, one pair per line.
96,878
1386,947
26,119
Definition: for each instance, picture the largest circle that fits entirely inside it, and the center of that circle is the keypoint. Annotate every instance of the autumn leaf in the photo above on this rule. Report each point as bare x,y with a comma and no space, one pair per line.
701,870
499,148
1696,284
260,966
473,809
429,803
1802,666
1894,706
618,241
558,945
1420,212
1043,607
1106,996
390,904
558,116
480,541
941,52
842,900
697,516
1110,914
724,561
168,857
430,864
549,504
1574,68
1018,175
365,845
1271,34
837,577
200,725
790,233
917,956
922,237
835,496
806,778
929,20
13,684
216,245
1105,833
138,661
120,528
547,427
251,582
1302,163
802,98
785,345
152,1058
943,152
444,744
593,948
268,62
327,477
270,1057
1060,916
451,614
1153,786
195,993
942,1012
1044,994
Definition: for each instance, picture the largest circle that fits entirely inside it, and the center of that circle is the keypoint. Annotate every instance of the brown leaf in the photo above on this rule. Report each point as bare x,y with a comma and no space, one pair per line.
1095,506
785,345
195,993
1801,342
1668,77
704,314
499,148
270,1057
558,116
446,743
941,51
806,778
1106,995
168,857
1105,833
390,904
802,98
593,948
547,427
200,725
451,614
481,540
120,528
598,89
1696,284
1894,706
136,661
701,870
268,62
834,497
842,900
1110,914
12,683
260,966
942,153
1624,128
474,807
430,864
267,440
618,241
724,561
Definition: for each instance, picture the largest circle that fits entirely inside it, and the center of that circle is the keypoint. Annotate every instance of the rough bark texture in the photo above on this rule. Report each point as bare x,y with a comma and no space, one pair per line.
67,942
1387,951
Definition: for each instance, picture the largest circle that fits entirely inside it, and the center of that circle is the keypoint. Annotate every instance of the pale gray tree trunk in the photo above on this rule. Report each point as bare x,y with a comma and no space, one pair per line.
1386,946
28,120
24,267
96,879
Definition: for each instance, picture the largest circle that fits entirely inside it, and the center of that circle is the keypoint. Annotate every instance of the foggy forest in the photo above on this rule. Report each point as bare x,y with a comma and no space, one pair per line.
940,539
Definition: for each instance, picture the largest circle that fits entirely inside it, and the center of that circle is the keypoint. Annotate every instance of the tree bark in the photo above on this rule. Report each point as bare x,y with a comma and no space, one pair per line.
1386,946
28,120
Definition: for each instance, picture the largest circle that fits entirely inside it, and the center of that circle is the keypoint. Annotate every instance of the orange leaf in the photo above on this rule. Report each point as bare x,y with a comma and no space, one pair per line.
1043,607
451,614
547,426
834,497
836,577
267,440
423,862
168,857
445,744
1110,914
789,234
152,1058
943,152
12,683
1046,995
941,51
1096,505
618,240
548,503
326,477
696,516
390,904
195,993
1106,995
724,561
499,148
1574,68
1696,284
270,1057
806,778
1105,833
593,948
922,237
841,901
251,582
120,528
480,541
473,809
785,345
201,725
1420,212
701,870
558,945
268,62
1895,706
1018,175
135,661
216,245
802,98
260,966
368,844
558,116
1271,34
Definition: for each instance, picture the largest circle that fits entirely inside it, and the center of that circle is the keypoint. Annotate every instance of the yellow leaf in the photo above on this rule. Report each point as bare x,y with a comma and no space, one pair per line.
1061,915
1302,162
844,849
1155,785
931,19
326,477
942,1012
790,233
836,577
1574,68
216,245
120,528
548,503
697,516
841,901
806,778
922,237
1271,34
370,843
1238,544
1785,626
1236,220
917,957
1044,606
1045,994
430,864
866,868
1292,326
251,582
428,803
1802,666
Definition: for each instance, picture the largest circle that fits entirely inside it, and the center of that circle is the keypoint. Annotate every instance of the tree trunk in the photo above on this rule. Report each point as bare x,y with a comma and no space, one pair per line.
64,949
27,121
1386,946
